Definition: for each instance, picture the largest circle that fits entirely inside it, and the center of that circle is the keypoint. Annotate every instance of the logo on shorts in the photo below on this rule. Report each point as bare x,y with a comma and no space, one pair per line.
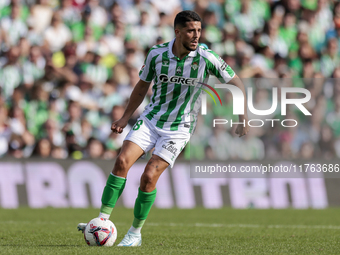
170,147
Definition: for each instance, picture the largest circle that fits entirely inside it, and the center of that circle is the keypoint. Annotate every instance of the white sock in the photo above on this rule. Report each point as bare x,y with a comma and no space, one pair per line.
135,230
104,216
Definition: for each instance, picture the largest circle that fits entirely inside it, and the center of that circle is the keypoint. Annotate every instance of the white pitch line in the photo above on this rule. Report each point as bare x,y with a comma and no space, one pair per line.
217,225
211,225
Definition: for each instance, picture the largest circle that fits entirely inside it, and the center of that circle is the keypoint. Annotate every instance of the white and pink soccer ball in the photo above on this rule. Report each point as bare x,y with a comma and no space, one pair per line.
100,232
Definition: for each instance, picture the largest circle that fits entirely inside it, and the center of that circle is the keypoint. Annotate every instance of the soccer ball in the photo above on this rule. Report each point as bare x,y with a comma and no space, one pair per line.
100,232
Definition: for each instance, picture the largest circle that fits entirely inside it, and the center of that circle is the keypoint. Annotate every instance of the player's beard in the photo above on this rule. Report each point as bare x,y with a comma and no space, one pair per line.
187,47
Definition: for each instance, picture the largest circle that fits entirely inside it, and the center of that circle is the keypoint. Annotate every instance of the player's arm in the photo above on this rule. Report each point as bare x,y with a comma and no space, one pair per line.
146,75
225,74
136,98
241,130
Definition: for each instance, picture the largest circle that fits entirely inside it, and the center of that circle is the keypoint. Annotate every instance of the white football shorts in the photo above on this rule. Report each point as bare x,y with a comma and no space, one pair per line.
168,144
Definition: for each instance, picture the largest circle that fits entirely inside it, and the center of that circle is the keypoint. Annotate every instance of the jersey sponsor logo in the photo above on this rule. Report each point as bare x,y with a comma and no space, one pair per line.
194,65
169,146
190,82
177,79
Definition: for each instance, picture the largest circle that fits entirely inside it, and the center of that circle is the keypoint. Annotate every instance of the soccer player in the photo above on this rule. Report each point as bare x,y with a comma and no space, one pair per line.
169,120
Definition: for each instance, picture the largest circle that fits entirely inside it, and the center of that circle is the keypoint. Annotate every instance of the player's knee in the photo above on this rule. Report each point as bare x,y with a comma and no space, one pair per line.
121,164
147,178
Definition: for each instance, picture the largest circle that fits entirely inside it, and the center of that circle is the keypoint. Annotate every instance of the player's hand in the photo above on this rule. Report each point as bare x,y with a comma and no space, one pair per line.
118,126
242,130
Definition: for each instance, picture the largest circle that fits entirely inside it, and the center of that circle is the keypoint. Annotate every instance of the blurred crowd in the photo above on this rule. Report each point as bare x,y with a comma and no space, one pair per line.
67,69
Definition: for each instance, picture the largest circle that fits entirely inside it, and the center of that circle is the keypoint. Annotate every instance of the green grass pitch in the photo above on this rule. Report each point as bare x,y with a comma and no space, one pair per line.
175,231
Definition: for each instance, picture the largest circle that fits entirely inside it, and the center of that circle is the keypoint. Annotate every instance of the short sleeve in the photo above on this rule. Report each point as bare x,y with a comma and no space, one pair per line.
147,71
218,67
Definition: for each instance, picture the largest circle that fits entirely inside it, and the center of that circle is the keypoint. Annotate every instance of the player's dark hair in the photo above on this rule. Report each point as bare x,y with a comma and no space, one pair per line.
186,16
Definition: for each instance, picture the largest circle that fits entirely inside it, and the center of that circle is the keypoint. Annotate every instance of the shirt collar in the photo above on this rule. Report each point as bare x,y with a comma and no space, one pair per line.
171,55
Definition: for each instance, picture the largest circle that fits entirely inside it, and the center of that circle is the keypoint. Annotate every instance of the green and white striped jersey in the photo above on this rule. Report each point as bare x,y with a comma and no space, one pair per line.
176,97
